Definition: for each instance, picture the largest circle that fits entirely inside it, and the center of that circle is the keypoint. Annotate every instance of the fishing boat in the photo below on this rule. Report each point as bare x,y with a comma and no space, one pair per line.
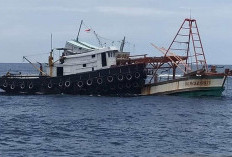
185,55
81,69
182,69
86,69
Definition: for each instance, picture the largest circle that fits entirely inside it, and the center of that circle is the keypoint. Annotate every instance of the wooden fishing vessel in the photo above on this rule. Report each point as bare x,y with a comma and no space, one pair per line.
202,85
86,69
185,57
196,78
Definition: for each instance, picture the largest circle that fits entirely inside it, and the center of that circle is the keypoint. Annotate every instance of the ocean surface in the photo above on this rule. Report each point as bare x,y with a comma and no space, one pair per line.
68,125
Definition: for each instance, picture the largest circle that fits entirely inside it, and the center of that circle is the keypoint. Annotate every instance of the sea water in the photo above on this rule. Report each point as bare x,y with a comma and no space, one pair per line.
73,125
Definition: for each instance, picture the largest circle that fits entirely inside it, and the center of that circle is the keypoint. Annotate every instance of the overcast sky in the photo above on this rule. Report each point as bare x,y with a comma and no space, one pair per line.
25,26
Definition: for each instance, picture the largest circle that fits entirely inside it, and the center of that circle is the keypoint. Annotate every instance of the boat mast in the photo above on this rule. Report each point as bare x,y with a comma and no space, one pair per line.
122,44
50,63
51,41
188,34
50,60
79,30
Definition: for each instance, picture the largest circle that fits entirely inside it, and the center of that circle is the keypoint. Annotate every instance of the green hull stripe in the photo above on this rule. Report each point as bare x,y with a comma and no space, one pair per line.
214,91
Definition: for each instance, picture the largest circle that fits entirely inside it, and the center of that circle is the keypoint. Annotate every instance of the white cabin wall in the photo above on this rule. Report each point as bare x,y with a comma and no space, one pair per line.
54,71
80,61
99,62
111,59
74,63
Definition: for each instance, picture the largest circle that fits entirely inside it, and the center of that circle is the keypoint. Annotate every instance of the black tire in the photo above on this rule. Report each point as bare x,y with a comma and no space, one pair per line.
22,85
128,77
50,85
60,84
137,75
5,84
89,82
12,86
110,79
31,85
67,83
80,84
120,77
99,81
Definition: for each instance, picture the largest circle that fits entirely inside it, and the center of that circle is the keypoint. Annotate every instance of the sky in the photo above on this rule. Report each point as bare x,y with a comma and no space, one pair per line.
26,26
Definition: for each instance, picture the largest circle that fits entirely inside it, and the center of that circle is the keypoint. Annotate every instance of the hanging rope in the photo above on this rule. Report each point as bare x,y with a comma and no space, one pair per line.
112,42
37,54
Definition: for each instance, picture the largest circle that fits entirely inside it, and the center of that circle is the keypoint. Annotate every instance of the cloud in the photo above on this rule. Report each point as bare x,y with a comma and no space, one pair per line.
128,11
47,9
132,11
64,9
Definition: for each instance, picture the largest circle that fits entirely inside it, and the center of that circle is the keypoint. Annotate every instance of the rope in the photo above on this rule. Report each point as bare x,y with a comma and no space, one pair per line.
104,38
37,54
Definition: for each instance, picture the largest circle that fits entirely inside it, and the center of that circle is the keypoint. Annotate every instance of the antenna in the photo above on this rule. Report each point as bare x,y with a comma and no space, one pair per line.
51,41
122,44
79,30
190,13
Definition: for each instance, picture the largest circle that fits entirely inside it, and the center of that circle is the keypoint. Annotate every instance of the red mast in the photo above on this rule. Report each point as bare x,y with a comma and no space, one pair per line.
187,42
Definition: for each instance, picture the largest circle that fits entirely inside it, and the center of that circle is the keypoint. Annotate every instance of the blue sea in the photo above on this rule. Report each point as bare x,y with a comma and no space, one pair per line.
73,125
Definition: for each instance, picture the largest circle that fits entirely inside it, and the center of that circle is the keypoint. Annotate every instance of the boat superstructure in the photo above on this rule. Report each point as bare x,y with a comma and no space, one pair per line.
73,61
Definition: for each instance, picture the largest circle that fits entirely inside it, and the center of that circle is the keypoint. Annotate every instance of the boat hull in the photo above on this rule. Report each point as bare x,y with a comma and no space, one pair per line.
189,86
119,80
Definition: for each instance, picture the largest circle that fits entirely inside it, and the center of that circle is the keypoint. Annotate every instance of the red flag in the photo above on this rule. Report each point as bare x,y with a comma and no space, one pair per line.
87,30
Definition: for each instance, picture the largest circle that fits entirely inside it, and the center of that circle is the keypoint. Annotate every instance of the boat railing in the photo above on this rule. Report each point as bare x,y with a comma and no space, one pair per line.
22,76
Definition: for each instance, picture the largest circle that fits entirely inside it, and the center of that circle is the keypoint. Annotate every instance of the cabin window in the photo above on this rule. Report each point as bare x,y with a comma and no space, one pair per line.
110,54
84,65
93,56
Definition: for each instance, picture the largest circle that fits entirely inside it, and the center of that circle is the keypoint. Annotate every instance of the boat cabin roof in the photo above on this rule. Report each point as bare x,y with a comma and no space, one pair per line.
82,45
96,51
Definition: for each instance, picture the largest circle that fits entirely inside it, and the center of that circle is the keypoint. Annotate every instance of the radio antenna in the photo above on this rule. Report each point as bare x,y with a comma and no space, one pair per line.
190,13
79,30
51,41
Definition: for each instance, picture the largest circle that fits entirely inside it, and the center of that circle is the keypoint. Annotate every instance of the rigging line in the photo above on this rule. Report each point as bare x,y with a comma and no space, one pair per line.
105,38
85,25
112,40
37,54
101,37
96,32
115,40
